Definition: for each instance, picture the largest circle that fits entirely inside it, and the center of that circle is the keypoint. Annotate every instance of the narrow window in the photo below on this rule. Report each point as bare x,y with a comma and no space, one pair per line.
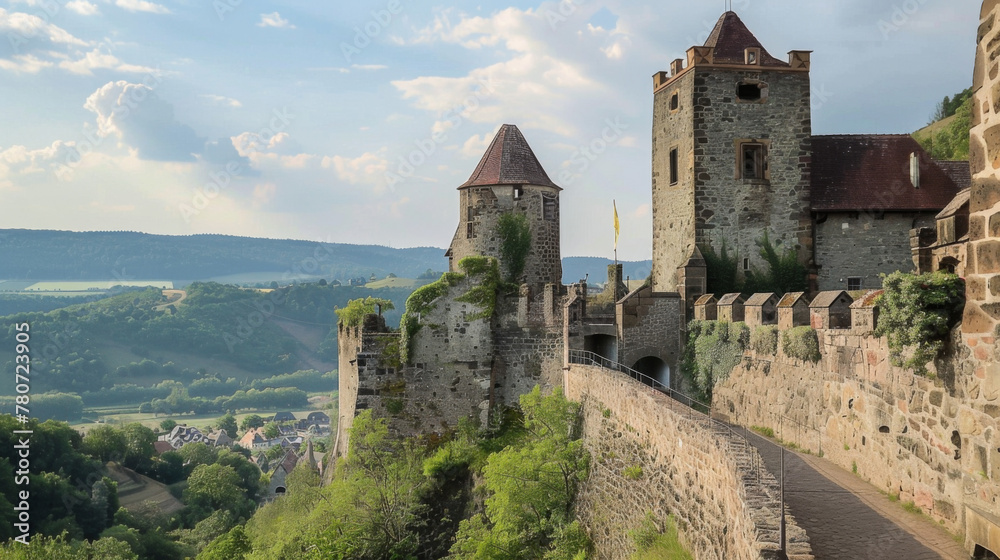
470,230
854,283
753,162
549,207
675,101
674,170
470,214
518,192
746,265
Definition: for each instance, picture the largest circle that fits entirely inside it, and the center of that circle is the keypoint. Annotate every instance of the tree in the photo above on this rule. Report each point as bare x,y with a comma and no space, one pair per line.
228,424
105,443
234,545
168,425
272,431
251,422
357,309
215,487
139,447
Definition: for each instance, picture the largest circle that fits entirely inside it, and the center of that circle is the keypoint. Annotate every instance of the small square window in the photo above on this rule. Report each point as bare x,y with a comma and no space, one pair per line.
550,208
674,167
752,55
854,283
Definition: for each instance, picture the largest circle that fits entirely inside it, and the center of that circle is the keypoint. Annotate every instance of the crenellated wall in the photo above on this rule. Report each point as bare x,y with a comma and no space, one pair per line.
702,478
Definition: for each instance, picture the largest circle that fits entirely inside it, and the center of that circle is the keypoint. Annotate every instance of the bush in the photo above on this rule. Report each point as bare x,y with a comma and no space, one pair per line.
916,313
801,343
633,472
652,544
514,234
764,340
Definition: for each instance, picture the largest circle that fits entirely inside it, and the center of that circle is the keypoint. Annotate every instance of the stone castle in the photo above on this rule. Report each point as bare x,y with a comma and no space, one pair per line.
734,160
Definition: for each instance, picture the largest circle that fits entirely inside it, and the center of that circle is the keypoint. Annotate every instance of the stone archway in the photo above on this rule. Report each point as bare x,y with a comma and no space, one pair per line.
655,368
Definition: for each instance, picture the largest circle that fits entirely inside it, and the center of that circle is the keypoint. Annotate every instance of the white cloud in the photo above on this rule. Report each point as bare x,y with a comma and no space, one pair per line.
367,169
476,146
274,19
222,100
82,7
141,6
144,122
96,60
20,160
21,28
369,66
24,64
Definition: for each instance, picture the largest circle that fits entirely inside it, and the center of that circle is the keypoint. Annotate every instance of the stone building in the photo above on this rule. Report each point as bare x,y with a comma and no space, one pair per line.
731,144
735,160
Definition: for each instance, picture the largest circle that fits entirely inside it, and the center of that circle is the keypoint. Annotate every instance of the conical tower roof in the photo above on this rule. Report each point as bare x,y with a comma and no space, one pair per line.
509,161
731,38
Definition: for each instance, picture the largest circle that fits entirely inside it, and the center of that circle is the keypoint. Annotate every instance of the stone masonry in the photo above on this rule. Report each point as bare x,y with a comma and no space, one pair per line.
679,466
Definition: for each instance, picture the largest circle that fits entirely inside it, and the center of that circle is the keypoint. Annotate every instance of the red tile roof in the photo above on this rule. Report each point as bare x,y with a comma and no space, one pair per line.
872,173
509,161
959,171
731,39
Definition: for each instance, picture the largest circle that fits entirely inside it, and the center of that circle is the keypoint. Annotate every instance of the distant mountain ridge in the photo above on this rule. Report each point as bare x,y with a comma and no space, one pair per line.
110,255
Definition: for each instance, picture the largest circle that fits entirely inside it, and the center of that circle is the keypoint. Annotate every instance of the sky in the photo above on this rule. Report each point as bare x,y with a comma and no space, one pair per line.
355,122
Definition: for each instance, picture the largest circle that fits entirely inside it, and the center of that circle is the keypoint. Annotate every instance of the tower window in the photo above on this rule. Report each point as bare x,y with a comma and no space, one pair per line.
518,192
752,55
854,283
746,264
675,101
549,207
751,91
674,169
470,230
753,161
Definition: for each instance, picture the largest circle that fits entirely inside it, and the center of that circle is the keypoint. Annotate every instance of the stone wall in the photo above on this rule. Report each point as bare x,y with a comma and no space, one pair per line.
865,245
481,207
930,441
700,477
673,204
740,211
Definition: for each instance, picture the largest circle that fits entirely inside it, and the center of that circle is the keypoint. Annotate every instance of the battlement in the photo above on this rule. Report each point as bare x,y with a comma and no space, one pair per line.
832,310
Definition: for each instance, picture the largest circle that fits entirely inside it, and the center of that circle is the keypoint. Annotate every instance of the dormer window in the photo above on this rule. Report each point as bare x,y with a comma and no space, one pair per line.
752,56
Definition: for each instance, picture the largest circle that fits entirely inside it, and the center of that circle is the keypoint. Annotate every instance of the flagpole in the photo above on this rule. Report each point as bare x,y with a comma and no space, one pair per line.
614,205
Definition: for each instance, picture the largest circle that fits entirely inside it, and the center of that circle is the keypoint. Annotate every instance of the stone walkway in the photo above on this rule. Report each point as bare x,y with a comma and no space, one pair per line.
846,518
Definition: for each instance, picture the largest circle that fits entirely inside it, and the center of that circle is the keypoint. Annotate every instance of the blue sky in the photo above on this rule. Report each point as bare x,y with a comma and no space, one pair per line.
355,122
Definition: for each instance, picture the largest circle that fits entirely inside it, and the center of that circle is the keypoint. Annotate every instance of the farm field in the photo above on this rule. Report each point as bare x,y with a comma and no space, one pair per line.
397,283
92,286
121,415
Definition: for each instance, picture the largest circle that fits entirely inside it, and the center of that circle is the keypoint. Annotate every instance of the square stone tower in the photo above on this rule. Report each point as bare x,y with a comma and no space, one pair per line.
731,154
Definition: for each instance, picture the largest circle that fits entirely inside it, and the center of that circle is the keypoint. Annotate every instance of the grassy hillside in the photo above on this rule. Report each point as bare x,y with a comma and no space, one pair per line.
137,347
63,255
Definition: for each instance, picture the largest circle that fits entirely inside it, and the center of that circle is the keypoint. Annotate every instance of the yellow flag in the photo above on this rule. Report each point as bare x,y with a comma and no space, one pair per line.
615,205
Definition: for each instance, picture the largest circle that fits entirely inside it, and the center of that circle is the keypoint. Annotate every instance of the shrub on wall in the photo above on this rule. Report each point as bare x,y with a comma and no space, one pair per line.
354,313
714,348
915,314
514,233
801,343
764,340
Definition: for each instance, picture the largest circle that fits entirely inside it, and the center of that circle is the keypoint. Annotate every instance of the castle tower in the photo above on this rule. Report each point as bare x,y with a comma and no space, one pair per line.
510,179
731,154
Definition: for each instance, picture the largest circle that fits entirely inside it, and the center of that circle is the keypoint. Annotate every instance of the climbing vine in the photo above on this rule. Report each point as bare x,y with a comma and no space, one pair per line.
484,293
915,314
764,340
515,244
714,348
801,343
